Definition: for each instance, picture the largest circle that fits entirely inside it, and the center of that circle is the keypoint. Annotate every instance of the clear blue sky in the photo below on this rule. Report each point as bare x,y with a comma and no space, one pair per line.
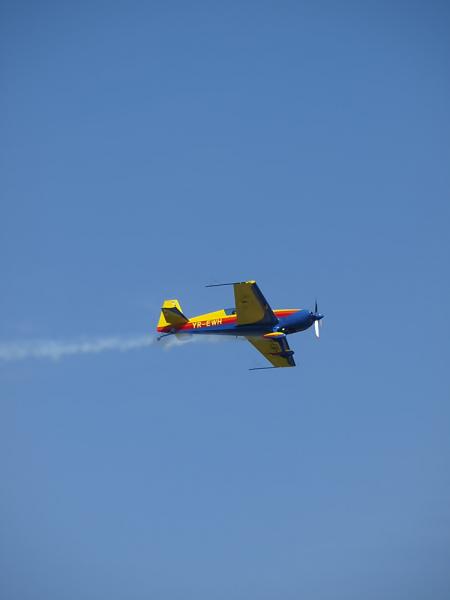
151,148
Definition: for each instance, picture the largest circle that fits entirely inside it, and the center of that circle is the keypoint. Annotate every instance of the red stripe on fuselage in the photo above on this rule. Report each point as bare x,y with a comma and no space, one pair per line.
285,313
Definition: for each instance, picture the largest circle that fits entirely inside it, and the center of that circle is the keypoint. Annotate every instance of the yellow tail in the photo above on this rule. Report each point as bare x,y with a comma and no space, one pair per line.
171,315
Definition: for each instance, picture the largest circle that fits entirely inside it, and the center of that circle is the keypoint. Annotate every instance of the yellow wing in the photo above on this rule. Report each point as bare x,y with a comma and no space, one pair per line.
275,348
251,306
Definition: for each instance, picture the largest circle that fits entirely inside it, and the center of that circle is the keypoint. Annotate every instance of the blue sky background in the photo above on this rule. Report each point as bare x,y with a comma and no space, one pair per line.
151,148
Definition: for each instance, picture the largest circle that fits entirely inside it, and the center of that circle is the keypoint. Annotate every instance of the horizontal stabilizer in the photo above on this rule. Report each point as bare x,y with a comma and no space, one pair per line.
171,315
174,316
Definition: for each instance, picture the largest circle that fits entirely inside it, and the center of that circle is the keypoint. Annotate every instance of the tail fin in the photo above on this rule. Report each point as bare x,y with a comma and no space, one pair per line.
171,315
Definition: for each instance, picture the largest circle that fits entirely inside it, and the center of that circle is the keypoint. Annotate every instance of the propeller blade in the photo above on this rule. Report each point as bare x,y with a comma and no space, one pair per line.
315,308
316,329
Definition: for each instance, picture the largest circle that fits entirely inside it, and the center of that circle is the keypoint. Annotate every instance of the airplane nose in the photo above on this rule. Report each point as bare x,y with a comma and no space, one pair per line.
316,317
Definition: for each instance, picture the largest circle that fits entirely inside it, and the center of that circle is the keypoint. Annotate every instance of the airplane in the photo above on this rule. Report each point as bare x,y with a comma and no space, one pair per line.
252,318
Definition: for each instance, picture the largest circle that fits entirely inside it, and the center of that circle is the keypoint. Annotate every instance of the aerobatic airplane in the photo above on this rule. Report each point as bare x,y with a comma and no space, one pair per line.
252,318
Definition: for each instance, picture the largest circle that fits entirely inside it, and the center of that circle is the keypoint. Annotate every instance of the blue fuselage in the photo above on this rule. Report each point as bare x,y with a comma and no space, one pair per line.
300,320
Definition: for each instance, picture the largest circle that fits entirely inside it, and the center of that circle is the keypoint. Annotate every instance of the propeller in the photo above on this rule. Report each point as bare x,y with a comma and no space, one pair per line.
317,319
316,329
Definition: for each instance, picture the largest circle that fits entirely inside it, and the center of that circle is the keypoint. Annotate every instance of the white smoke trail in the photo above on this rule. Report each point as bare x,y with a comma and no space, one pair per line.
173,341
54,349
